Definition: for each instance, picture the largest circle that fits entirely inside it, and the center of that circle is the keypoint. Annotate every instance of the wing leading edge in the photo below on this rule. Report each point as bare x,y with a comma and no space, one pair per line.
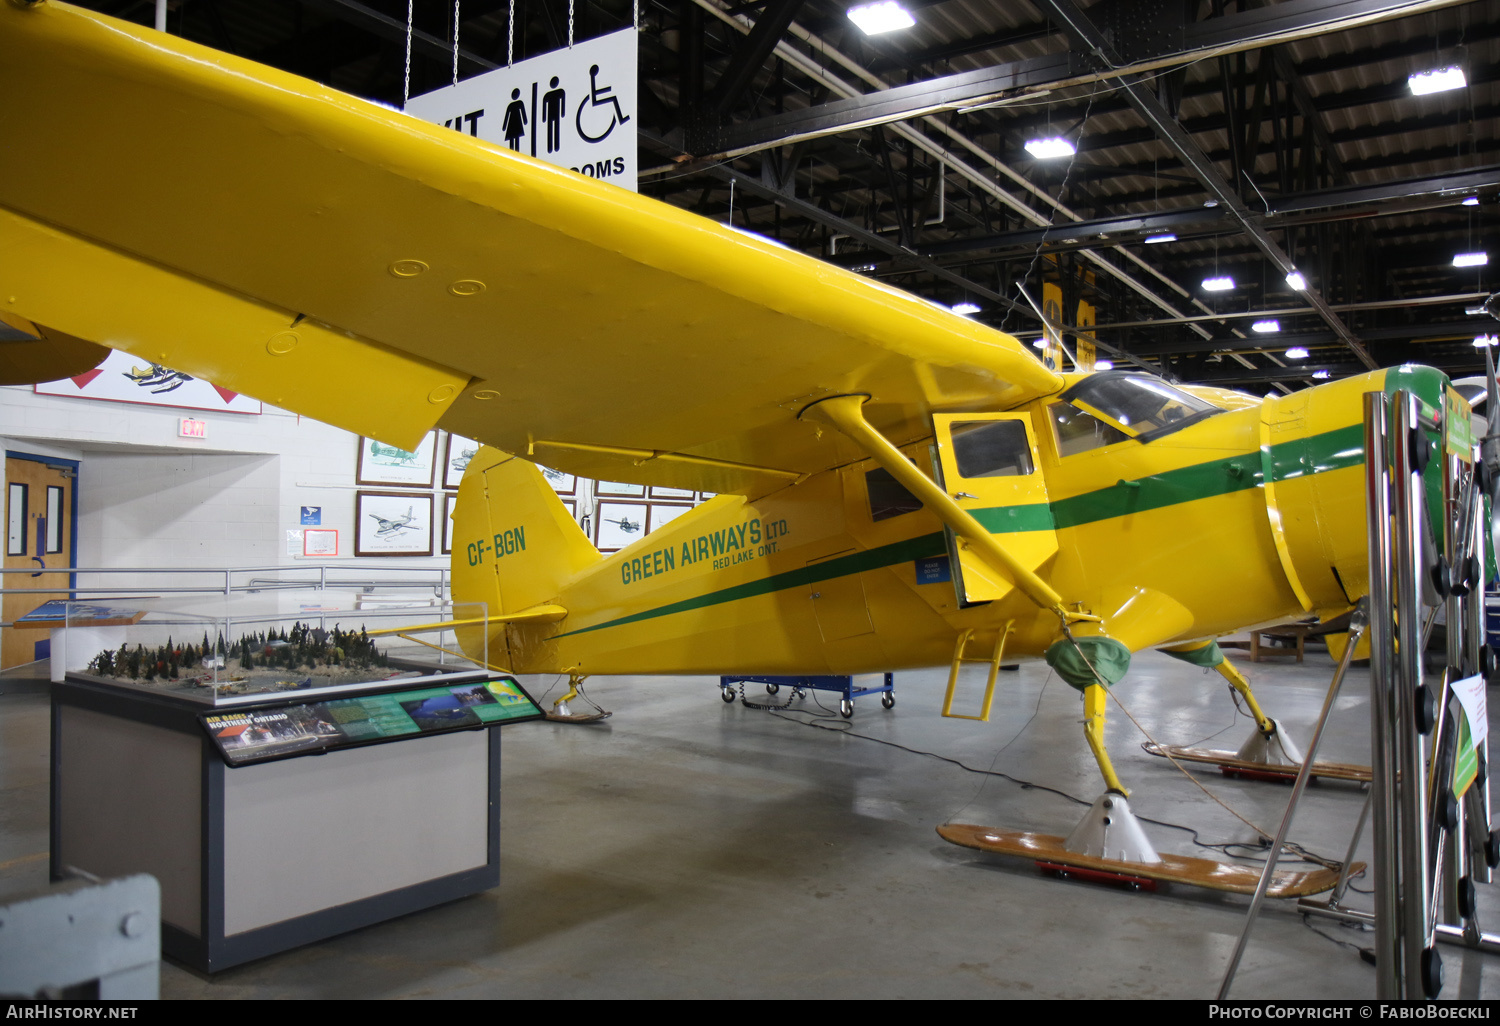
387,275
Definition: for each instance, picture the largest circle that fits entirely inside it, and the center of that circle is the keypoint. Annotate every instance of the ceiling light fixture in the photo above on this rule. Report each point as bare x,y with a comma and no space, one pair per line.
965,309
1152,240
1266,327
1481,341
1296,280
1050,147
1296,353
1470,259
1100,365
1220,283
1472,201
1321,375
887,16
1040,343
1436,81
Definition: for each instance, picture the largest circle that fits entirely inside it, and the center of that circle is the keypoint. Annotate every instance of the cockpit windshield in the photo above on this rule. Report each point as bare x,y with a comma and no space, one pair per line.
1141,405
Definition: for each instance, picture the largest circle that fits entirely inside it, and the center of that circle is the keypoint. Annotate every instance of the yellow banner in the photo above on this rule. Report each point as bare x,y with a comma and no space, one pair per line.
1085,351
1052,354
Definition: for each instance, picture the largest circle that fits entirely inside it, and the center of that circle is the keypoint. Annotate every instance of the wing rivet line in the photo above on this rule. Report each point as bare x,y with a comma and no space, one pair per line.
486,394
283,342
441,394
467,287
407,268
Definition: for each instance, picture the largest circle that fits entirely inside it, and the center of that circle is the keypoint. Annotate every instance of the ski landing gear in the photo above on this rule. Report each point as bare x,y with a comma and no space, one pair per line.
562,712
1267,754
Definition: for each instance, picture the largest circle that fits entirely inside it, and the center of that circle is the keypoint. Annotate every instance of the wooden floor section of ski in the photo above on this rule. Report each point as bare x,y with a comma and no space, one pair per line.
1183,869
1231,763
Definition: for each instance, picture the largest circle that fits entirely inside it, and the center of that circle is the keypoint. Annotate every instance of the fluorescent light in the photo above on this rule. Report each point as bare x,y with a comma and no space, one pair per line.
1151,240
1222,283
1050,147
1104,365
1472,201
1266,327
1437,81
964,308
874,19
1485,340
1296,353
1470,259
1296,280
1321,375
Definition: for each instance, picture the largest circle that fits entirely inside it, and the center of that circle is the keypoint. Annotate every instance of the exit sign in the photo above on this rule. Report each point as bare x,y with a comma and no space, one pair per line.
187,427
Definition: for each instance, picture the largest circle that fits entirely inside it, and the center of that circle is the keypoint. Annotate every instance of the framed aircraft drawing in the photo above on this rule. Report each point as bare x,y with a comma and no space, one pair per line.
664,513
392,524
616,488
384,464
562,484
458,451
449,501
618,524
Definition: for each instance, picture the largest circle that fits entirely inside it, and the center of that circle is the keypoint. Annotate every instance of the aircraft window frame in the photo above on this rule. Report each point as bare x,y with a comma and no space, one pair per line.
896,504
1102,395
1024,464
1102,439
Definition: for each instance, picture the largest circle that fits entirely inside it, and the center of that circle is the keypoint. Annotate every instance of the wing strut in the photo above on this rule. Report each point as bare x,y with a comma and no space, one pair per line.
845,413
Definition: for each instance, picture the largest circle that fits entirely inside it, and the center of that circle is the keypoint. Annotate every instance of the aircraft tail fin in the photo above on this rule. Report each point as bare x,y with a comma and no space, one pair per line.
514,542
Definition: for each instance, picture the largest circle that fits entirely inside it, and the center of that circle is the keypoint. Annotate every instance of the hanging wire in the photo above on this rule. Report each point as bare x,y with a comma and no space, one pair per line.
510,36
455,42
570,24
406,77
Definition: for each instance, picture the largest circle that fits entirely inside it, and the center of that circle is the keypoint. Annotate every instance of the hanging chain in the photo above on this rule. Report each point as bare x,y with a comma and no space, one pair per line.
510,36
635,15
570,24
406,78
455,42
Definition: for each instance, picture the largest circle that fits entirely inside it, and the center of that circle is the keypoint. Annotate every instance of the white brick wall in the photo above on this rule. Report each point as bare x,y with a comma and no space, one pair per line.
149,498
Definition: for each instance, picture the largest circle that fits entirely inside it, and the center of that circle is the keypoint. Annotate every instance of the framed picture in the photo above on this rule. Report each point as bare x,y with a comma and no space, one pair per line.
618,524
450,503
674,494
382,464
628,491
392,524
456,456
705,496
664,513
562,484
571,506
320,541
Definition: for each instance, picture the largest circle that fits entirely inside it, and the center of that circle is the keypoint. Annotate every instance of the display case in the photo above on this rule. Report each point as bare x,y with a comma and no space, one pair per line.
280,808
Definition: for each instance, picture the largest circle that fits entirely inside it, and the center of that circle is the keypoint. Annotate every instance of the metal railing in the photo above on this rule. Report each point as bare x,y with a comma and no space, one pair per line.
228,580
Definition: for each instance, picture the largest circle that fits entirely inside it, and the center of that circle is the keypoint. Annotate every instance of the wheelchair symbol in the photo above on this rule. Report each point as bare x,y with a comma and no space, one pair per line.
599,96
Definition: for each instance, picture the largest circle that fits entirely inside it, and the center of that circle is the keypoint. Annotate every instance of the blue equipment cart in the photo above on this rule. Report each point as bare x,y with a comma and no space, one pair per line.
842,683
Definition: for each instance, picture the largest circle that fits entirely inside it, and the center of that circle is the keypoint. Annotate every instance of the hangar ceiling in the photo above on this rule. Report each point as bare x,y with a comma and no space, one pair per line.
1266,137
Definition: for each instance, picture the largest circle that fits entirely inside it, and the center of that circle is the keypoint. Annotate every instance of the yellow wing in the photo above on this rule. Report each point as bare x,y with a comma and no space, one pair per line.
387,275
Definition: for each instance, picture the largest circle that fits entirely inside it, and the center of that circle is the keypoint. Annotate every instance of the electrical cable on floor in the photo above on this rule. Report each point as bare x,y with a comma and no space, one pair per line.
845,727
1367,954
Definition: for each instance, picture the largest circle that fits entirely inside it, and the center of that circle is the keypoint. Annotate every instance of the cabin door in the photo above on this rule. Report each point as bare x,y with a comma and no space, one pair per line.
39,516
989,465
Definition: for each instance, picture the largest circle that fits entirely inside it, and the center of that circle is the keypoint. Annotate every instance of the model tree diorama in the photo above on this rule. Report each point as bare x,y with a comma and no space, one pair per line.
303,649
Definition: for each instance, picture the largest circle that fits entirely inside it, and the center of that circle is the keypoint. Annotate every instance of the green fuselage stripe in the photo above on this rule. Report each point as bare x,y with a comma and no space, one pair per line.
1301,457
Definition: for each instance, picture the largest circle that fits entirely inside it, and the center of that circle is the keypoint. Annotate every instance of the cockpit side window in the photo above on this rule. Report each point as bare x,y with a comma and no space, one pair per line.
1140,405
1078,432
888,497
991,448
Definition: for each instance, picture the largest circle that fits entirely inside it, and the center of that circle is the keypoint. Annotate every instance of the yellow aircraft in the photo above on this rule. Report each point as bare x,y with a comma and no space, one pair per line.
899,486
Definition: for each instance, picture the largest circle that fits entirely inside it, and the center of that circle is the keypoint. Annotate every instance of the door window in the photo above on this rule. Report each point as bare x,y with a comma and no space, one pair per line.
991,448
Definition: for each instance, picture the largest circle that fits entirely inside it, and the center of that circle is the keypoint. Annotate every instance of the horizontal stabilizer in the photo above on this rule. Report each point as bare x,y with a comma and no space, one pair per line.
536,614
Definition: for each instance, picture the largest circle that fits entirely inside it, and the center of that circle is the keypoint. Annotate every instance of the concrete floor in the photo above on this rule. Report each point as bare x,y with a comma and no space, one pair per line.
689,848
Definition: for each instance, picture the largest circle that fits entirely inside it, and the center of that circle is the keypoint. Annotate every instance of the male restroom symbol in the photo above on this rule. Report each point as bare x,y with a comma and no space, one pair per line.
554,109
